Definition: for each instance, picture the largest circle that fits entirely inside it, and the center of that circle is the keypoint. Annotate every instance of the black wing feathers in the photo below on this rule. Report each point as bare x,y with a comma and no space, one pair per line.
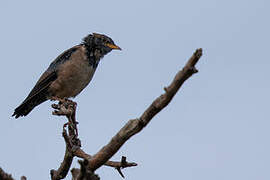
37,96
40,93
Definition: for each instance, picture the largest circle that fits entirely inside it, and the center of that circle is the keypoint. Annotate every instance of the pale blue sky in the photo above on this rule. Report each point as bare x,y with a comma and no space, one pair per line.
216,127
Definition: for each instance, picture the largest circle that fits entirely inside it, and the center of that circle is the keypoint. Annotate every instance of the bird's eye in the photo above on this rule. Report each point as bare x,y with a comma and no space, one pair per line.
106,42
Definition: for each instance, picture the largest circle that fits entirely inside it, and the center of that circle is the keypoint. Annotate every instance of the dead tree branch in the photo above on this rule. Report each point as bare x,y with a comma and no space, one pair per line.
4,175
91,163
67,108
136,125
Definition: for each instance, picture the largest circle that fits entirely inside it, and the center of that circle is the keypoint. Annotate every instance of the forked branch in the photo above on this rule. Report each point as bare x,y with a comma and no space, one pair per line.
67,108
134,126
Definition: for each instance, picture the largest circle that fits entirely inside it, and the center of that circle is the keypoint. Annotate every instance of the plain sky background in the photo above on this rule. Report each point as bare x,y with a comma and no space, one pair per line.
216,127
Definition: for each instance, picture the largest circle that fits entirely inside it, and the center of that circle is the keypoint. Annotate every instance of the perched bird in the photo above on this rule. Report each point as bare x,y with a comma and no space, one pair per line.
69,73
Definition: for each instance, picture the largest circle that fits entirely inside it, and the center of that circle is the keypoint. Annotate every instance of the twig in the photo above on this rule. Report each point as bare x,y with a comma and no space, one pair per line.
4,175
136,125
122,165
116,164
23,178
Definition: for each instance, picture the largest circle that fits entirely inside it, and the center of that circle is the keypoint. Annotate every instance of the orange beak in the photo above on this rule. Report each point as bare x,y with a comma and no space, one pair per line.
112,46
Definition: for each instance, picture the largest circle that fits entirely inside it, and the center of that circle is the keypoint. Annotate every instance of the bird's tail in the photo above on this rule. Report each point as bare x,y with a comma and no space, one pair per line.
29,104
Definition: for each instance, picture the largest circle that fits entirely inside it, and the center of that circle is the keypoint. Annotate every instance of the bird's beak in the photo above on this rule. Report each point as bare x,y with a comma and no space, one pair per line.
113,46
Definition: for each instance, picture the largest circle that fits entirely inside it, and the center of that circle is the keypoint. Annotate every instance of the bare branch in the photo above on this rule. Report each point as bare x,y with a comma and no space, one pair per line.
62,171
136,125
67,108
23,178
122,165
83,173
91,163
4,175
116,164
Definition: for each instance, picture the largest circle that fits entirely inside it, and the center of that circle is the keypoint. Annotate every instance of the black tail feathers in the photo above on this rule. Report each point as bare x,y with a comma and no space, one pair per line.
29,104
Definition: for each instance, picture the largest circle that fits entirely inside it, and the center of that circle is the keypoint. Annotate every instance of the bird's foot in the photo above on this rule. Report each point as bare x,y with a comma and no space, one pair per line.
63,109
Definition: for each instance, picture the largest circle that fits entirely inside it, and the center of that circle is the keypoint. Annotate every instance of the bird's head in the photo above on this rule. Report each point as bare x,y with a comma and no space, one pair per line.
99,44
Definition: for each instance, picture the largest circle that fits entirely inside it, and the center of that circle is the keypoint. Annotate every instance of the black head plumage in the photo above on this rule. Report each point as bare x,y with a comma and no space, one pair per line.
100,44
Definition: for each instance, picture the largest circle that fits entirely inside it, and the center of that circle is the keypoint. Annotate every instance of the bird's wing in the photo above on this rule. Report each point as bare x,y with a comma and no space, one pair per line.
44,82
65,56
37,95
51,73
40,92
